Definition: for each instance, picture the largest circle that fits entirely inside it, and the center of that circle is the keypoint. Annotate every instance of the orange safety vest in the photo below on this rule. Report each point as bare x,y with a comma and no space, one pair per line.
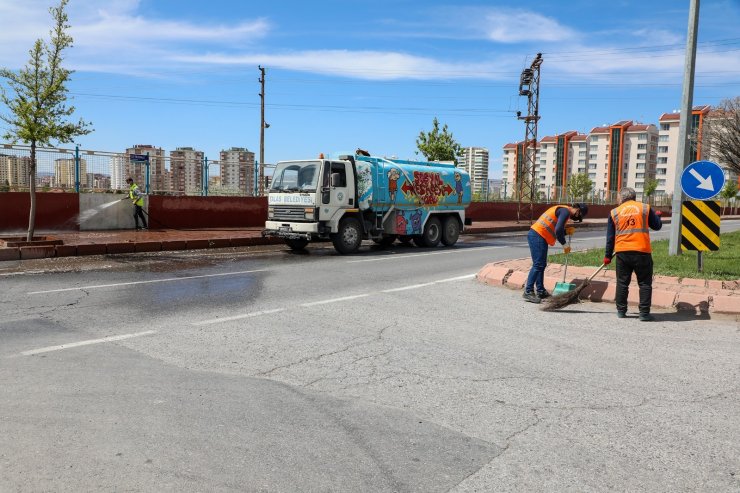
545,225
632,233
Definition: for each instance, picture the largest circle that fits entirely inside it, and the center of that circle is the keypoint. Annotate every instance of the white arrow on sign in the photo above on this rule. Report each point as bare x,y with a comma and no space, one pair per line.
704,183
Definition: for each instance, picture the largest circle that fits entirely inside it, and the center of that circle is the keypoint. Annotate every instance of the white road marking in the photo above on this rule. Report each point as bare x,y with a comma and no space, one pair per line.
334,300
238,317
400,256
86,343
424,284
170,279
331,300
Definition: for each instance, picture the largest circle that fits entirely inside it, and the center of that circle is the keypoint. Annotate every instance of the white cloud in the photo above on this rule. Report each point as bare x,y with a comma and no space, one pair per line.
516,26
114,34
372,65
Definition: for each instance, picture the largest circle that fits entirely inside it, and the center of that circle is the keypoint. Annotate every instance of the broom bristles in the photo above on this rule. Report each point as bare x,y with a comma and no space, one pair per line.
562,300
565,299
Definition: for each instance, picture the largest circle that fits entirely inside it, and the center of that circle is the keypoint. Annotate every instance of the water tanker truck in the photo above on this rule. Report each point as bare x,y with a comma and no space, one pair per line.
352,198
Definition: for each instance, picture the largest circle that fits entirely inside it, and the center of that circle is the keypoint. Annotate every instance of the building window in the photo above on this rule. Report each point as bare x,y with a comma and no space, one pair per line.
641,136
665,126
593,148
661,183
662,160
663,149
592,156
592,175
581,161
638,184
661,171
641,156
641,146
592,166
640,175
581,153
663,138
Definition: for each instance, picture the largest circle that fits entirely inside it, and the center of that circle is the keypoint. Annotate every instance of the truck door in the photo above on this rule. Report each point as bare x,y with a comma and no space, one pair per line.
343,190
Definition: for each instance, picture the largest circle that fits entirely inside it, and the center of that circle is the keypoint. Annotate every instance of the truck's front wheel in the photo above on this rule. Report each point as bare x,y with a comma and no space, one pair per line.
349,236
432,233
450,231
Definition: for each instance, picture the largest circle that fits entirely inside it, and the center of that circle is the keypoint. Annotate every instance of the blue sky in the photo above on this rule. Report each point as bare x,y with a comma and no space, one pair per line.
371,74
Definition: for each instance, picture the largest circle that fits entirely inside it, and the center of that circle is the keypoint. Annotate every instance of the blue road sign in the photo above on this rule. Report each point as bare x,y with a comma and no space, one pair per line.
138,158
702,180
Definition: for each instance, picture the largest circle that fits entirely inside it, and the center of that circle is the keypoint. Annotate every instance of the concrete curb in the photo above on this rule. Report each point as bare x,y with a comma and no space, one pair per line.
698,295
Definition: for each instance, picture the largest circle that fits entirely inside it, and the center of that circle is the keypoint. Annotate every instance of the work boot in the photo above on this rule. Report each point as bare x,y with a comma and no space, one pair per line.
543,294
646,317
531,297
621,314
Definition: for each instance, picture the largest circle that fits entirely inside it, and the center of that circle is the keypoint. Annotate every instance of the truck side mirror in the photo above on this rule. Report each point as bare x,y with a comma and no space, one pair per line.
336,179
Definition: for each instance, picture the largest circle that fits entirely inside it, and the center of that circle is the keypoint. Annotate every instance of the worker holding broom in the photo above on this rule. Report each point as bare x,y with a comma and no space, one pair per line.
628,234
550,226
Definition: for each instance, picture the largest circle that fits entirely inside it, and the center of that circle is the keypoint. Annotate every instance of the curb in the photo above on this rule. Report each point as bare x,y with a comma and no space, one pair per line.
697,295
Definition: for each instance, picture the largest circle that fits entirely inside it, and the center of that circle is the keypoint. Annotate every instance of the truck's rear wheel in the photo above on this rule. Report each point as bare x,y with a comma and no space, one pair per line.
297,244
432,233
349,236
450,231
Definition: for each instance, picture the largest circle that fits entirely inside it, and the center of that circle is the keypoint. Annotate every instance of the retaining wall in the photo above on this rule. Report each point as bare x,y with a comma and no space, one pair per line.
119,215
54,211
207,212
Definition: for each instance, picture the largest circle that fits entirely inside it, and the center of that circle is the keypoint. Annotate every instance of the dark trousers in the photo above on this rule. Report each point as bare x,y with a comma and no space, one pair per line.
642,265
139,213
538,251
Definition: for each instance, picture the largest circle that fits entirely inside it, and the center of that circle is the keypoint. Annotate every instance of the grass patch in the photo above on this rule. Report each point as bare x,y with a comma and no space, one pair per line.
723,264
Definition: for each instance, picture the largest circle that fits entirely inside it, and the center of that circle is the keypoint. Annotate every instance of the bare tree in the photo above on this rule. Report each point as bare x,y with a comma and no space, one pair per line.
721,135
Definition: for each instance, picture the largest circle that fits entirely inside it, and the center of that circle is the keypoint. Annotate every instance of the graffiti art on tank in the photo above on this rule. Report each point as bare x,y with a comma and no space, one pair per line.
416,222
428,186
401,223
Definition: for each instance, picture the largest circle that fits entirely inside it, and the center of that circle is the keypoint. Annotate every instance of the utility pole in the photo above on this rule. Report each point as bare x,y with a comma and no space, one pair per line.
263,125
684,151
526,177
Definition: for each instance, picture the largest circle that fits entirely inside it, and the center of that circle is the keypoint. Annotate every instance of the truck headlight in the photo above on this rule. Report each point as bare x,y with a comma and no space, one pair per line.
309,213
270,212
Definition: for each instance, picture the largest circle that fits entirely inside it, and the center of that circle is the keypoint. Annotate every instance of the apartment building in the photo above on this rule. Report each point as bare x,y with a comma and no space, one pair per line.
237,170
158,174
186,170
474,160
14,170
65,174
665,171
613,156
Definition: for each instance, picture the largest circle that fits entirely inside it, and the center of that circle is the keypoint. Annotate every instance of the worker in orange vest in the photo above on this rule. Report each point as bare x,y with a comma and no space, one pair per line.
628,234
550,226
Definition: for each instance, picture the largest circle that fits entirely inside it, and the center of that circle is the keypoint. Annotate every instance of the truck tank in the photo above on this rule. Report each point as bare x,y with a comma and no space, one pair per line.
410,191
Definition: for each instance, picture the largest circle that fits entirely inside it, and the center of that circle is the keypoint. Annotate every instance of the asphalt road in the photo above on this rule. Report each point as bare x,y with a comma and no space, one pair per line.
390,370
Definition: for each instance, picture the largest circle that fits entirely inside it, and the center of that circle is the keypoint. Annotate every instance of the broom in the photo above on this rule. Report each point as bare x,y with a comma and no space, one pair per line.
562,300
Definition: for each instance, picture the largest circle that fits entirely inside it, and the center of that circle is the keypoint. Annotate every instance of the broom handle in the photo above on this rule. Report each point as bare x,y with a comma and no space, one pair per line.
595,273
565,271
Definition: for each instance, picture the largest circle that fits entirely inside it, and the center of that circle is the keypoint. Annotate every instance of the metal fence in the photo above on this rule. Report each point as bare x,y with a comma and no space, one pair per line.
80,170
559,195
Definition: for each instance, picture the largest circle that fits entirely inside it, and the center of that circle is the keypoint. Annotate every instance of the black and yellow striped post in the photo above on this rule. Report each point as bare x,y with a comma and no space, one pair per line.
700,227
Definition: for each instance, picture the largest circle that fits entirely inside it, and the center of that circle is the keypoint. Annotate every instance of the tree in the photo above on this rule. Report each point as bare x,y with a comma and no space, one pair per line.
436,146
579,186
649,187
729,191
38,109
722,134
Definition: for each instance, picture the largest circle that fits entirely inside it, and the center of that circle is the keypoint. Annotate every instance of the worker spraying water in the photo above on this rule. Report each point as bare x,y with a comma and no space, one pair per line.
137,199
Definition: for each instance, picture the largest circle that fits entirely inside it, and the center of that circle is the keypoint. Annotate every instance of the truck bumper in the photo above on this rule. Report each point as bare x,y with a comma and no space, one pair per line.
291,231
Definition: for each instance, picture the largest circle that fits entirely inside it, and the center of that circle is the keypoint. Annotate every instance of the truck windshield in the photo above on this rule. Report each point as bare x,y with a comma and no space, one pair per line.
296,176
